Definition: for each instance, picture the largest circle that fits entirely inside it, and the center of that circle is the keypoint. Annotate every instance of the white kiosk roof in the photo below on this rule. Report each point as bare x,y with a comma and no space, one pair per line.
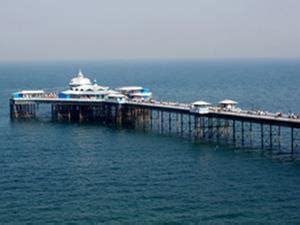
31,92
116,95
130,88
228,102
146,94
201,103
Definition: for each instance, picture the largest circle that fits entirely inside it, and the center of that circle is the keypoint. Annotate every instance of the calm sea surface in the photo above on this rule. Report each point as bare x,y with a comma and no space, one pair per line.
58,173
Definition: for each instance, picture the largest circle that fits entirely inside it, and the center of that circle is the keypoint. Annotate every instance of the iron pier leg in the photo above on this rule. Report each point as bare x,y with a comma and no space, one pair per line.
243,139
271,137
158,120
210,127
177,123
233,132
250,134
195,127
279,137
218,129
262,135
181,123
170,123
292,140
190,126
69,113
151,118
203,127
144,119
162,121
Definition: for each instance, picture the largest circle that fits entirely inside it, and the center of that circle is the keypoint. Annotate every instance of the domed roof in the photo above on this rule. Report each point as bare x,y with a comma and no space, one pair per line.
80,80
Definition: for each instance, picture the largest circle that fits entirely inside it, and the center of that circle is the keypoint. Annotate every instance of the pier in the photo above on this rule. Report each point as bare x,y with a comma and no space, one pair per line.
239,129
134,108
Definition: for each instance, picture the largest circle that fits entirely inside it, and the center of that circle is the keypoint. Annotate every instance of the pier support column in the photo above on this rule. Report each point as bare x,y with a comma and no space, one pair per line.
279,138
181,124
210,128
69,108
24,110
233,132
262,135
271,137
177,123
170,122
190,125
243,138
52,112
202,127
162,121
119,115
195,127
142,118
81,118
250,134
151,119
218,126
292,140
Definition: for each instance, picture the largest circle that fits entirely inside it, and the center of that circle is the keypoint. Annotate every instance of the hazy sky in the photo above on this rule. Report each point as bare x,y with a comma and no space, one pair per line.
97,29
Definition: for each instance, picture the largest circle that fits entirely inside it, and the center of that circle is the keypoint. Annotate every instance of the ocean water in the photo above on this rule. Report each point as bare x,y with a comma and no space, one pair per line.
64,173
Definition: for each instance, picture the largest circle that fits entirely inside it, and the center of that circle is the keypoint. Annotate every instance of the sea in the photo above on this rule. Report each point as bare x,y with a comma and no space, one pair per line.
77,173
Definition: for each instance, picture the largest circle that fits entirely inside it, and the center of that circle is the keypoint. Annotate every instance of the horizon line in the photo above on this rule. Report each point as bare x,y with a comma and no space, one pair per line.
259,58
